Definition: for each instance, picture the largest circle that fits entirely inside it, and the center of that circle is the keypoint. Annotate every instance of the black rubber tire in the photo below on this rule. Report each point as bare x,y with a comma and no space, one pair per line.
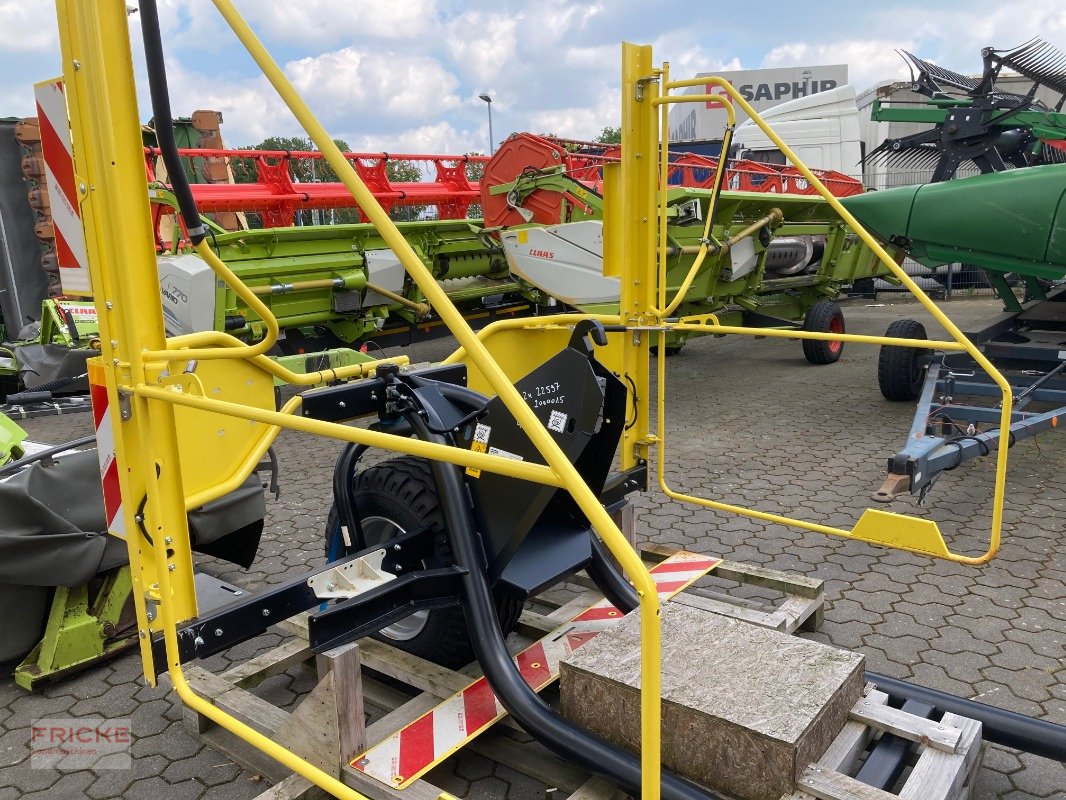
671,350
900,372
403,491
824,316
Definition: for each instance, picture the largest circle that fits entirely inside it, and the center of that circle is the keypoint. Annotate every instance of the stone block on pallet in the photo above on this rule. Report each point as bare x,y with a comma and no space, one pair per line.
745,709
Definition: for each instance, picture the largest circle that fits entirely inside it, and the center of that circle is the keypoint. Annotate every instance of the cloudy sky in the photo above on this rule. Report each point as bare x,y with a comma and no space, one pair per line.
405,75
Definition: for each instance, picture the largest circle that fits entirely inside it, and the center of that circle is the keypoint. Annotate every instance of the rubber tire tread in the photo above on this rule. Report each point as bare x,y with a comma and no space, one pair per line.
403,490
817,320
895,365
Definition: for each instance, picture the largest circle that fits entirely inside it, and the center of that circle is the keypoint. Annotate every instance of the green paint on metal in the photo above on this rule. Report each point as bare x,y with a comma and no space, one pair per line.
1005,222
83,628
11,439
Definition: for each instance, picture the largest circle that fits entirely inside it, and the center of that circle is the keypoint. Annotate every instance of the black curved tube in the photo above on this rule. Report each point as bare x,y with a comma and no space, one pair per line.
610,580
1008,728
615,765
15,466
342,493
164,121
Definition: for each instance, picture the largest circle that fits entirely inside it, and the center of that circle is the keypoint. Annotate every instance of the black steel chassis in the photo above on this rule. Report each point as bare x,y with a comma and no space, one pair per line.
952,425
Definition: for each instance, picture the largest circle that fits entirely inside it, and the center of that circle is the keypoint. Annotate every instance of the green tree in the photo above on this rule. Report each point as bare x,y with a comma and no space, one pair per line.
403,171
609,135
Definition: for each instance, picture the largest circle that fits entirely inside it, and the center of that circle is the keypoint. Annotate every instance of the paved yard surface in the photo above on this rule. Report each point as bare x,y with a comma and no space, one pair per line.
749,422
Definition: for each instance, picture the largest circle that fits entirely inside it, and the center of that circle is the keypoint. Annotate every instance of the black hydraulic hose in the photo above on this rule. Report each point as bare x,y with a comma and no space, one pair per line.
15,466
343,496
1007,728
610,580
164,121
617,766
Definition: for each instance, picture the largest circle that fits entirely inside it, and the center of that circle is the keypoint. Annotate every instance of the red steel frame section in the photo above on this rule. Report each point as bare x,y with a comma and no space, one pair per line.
277,197
583,161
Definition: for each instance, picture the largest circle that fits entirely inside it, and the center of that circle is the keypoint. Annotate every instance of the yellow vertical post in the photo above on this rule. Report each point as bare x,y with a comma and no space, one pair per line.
635,230
109,166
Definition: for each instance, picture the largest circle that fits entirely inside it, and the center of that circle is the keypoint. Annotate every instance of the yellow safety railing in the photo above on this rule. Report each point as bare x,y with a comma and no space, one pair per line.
911,533
98,68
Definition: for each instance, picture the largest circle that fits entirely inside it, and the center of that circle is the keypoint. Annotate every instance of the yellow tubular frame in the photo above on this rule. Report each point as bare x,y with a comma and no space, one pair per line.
138,365
959,343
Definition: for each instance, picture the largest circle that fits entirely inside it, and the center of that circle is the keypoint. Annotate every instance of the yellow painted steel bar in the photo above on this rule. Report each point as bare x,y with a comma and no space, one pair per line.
962,343
522,470
786,333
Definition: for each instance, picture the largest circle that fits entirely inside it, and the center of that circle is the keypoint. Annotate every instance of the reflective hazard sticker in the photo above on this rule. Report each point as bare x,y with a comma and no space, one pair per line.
557,421
479,445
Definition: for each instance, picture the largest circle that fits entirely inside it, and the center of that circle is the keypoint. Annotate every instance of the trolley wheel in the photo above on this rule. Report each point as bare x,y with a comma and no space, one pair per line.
900,370
392,498
824,316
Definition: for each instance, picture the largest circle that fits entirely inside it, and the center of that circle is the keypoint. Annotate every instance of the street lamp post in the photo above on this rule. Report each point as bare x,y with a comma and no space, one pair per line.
488,102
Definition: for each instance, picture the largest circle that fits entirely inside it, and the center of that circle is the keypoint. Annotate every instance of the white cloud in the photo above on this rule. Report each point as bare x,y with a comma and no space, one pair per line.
580,122
28,26
372,84
869,60
327,22
439,138
482,45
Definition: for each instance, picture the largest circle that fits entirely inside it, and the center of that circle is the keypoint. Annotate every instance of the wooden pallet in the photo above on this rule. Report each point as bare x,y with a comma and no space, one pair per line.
949,756
329,733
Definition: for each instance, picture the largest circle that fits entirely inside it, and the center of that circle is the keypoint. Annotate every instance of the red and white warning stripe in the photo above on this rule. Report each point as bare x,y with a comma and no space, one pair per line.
62,187
413,750
105,451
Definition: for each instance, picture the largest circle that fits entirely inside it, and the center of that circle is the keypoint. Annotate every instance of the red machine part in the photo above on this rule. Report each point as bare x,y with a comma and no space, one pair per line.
525,152
277,198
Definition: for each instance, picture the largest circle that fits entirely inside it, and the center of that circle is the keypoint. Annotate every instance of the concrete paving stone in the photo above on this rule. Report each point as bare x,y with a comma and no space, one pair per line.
1002,696
991,785
1002,759
155,787
28,708
473,767
165,744
936,677
896,623
1031,683
114,782
444,777
959,640
519,786
490,788
1016,656
9,793
26,778
968,670
117,701
1041,777
1045,641
71,785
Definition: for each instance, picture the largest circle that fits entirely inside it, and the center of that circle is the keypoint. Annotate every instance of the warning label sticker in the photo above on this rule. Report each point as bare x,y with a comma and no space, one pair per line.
495,451
479,445
557,421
